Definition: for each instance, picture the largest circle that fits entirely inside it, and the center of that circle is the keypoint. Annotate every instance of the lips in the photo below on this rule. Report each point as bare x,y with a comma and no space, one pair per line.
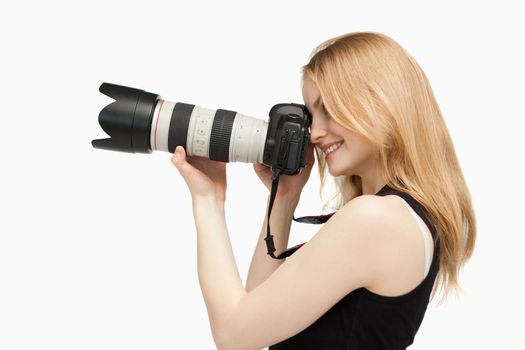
332,148
325,147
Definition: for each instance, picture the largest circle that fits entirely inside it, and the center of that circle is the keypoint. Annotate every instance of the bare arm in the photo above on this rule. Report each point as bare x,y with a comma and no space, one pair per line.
286,200
262,264
358,246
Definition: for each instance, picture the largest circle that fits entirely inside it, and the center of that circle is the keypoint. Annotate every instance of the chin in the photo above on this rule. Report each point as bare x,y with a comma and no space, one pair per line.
336,172
341,170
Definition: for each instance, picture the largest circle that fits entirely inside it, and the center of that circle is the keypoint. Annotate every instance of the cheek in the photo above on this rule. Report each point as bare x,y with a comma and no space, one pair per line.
363,147
358,150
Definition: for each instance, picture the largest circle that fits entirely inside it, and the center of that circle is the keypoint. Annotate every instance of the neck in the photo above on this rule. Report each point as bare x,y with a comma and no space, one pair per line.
371,186
372,179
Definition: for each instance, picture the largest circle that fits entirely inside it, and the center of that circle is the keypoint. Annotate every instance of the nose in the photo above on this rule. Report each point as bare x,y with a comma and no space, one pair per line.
317,130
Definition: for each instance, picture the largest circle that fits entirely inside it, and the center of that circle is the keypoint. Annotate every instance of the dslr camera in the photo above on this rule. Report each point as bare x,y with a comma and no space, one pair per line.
141,122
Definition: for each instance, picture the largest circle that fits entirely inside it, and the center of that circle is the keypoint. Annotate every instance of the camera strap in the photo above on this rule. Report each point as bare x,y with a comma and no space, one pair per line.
321,219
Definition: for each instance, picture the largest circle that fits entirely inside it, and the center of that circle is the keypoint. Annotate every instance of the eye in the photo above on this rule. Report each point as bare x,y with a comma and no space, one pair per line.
325,113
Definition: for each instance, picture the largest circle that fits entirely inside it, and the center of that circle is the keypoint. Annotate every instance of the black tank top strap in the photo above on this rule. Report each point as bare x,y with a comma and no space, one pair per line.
384,191
418,208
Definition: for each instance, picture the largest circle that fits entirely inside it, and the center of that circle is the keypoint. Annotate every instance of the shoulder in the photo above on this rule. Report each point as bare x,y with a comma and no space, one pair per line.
385,232
377,214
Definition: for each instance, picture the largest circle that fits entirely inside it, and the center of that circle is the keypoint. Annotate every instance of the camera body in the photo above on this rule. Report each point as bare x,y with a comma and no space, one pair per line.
288,138
140,122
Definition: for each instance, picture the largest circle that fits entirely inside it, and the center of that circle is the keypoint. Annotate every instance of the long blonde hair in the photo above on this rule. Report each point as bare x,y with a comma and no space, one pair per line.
372,86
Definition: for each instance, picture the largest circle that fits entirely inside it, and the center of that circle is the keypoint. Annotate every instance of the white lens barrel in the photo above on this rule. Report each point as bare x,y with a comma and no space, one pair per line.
199,132
238,137
160,125
247,140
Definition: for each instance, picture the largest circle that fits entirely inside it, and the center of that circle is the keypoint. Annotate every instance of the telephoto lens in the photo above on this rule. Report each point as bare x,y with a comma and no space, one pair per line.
141,122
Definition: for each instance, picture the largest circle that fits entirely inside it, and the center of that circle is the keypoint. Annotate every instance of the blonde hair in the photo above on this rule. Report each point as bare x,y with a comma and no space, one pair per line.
372,86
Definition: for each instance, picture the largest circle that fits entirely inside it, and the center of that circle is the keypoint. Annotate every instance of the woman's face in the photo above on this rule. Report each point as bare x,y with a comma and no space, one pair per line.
346,152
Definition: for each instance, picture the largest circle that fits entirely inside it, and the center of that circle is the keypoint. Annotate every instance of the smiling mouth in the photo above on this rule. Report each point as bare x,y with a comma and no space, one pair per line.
332,149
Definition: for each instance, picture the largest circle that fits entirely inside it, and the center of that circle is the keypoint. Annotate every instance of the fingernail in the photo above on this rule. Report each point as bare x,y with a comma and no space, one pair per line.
177,155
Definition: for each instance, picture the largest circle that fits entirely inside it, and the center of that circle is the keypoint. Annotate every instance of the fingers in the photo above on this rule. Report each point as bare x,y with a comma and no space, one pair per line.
310,158
259,167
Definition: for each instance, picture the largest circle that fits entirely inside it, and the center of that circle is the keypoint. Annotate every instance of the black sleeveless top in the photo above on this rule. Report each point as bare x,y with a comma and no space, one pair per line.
365,320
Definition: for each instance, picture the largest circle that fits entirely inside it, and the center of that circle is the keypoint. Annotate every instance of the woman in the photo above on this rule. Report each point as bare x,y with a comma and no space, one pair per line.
404,225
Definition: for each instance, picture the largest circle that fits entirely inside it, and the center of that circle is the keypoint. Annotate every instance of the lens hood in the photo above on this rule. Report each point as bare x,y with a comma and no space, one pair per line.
127,120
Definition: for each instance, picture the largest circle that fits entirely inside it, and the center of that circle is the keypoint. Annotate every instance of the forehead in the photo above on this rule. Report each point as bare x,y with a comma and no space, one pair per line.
311,94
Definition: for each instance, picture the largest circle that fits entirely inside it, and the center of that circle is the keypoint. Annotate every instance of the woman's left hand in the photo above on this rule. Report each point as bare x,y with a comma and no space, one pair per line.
205,178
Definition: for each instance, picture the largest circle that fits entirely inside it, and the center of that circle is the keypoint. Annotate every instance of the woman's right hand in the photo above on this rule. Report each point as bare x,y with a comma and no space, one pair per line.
289,185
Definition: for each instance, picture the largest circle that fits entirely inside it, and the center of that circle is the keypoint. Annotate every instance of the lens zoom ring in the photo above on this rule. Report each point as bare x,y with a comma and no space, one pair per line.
220,135
180,120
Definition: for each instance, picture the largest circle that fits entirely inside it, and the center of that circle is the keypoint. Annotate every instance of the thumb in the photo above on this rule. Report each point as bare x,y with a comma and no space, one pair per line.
179,160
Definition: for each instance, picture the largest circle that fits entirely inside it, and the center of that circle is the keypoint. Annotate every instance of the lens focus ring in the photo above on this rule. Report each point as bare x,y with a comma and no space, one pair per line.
220,135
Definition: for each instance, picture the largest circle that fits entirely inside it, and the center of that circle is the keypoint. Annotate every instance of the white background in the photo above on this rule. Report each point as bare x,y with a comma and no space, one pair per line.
97,248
